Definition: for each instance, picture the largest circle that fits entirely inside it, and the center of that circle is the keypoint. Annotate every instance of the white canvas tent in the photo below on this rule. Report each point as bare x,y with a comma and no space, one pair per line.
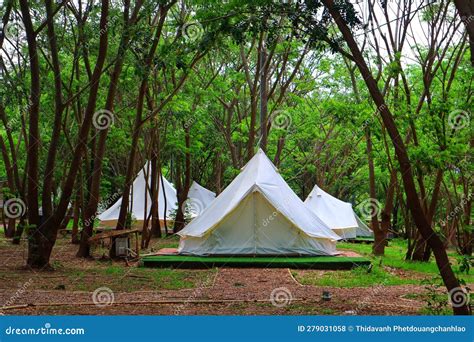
362,229
337,214
199,199
140,200
257,214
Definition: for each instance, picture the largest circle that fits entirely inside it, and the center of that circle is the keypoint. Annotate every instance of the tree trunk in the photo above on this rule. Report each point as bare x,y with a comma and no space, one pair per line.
155,187
19,231
466,12
263,97
184,188
37,256
378,247
10,228
218,173
48,179
385,222
75,223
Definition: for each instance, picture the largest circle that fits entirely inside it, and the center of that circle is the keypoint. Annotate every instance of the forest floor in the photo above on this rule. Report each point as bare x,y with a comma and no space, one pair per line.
121,288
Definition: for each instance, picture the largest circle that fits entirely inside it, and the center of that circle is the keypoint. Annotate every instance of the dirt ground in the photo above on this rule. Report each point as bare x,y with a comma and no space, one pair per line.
102,287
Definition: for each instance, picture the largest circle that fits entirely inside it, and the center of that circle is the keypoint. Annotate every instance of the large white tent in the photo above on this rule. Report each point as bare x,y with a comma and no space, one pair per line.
199,198
337,214
257,214
140,200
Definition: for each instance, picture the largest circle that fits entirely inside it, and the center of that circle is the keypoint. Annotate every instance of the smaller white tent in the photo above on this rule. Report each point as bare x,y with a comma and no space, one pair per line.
199,199
257,214
337,214
140,200
362,229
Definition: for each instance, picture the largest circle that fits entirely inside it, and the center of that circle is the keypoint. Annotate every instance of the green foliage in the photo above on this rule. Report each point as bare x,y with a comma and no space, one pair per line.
436,299
465,263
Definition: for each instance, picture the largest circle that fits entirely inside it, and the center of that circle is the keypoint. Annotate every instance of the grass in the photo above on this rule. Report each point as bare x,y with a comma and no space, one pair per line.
121,279
390,269
319,262
71,223
357,277
395,257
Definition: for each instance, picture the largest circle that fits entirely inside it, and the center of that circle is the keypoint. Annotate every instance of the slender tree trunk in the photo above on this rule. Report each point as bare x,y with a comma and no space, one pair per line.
378,247
263,98
183,188
155,181
37,256
218,173
75,223
19,231
10,228
467,232
466,12
58,107
386,214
